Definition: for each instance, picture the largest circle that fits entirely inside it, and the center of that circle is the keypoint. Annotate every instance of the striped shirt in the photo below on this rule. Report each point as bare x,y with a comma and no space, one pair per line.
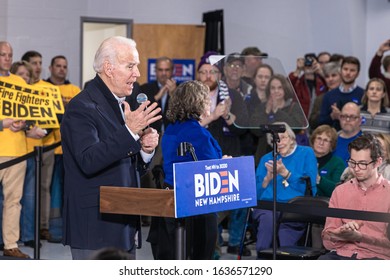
379,123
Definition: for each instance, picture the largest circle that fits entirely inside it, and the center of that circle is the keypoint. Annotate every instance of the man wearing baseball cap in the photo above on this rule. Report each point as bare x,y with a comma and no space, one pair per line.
234,68
252,59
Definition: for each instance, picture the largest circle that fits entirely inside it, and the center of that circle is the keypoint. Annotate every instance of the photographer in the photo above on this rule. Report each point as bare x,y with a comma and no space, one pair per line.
308,81
375,66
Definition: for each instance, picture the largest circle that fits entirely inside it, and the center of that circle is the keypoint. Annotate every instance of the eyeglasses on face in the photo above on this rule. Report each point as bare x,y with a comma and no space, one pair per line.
237,66
322,140
349,117
211,72
361,165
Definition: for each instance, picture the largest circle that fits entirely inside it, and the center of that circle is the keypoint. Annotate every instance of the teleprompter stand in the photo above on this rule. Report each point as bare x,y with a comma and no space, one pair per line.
274,129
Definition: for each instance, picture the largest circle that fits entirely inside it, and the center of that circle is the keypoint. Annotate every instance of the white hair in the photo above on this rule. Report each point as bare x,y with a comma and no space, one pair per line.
108,50
289,131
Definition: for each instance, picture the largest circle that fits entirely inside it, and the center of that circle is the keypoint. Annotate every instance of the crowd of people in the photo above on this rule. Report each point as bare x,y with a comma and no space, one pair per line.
19,137
324,91
337,136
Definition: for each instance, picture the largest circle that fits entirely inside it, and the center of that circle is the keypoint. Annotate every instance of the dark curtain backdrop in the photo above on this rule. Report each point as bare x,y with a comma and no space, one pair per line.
214,39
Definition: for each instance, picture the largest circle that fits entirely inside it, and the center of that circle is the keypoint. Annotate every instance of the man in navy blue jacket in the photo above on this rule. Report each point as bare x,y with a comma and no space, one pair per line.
103,145
348,91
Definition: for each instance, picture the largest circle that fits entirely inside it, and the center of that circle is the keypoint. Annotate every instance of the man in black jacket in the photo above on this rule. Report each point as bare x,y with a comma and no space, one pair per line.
103,143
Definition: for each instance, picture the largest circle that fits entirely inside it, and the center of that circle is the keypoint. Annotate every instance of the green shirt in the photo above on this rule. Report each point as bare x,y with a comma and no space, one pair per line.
330,175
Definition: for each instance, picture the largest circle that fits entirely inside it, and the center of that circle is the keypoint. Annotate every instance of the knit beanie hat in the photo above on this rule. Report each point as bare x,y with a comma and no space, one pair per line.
205,58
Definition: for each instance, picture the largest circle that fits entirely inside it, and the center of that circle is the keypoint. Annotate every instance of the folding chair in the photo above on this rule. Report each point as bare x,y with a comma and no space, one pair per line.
305,252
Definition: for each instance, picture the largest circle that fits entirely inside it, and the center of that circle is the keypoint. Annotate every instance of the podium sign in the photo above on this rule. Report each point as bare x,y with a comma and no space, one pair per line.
210,186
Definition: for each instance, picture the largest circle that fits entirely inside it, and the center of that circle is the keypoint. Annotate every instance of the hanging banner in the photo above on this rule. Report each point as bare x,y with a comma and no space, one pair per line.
183,70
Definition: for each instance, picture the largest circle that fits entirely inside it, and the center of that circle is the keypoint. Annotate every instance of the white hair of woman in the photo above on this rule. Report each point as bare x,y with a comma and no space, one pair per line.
289,131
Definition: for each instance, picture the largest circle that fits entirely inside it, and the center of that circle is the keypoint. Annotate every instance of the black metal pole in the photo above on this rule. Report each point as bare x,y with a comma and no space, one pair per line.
274,218
180,227
180,240
139,222
274,129
243,234
38,150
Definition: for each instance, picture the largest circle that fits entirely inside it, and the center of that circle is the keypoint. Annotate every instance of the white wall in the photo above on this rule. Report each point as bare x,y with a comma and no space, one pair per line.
285,29
378,26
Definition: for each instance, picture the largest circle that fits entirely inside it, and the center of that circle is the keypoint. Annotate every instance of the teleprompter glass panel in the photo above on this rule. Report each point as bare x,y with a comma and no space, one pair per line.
266,97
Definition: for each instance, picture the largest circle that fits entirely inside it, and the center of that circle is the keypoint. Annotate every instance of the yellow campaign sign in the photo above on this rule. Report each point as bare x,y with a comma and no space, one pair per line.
27,103
48,124
54,92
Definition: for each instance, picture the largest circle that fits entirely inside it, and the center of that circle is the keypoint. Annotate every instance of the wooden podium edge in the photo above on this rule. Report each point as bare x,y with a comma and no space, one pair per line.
137,201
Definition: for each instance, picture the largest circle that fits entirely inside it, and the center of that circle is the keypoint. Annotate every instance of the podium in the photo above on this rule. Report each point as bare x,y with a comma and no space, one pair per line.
147,202
137,201
201,187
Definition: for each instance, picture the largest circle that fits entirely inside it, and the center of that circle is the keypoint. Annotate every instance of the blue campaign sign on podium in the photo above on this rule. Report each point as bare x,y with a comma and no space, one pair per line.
210,186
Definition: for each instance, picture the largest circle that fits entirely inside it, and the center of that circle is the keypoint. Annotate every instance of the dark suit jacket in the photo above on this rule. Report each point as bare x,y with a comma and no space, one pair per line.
98,151
151,89
230,140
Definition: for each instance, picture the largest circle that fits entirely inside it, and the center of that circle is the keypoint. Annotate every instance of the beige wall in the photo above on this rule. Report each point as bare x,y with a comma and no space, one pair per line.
174,41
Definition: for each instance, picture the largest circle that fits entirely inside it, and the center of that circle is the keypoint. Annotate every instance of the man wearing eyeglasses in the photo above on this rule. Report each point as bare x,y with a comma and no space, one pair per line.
234,71
356,239
350,121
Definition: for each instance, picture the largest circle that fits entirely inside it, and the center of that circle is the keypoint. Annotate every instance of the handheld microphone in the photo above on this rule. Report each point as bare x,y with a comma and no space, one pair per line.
141,98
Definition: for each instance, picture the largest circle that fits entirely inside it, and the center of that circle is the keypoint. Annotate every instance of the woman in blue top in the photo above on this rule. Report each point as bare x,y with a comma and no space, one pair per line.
190,103
293,163
187,105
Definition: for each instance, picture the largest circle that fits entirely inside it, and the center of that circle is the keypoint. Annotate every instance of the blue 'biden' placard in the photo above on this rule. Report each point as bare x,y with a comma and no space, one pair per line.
183,70
210,186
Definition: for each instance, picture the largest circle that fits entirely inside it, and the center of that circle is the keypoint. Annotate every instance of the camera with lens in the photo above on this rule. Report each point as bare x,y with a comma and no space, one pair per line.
309,58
